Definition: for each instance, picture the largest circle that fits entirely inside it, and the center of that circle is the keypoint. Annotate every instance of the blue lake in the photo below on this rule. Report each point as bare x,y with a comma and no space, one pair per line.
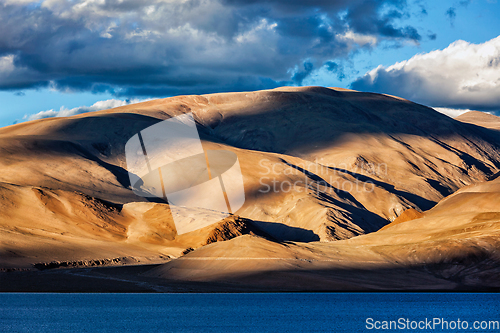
263,312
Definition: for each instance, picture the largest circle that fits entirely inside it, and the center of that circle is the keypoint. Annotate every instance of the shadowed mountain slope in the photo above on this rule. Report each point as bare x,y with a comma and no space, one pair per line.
318,164
453,246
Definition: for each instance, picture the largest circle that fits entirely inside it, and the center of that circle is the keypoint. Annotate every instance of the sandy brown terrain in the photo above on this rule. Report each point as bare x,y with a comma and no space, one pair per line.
481,119
452,246
324,171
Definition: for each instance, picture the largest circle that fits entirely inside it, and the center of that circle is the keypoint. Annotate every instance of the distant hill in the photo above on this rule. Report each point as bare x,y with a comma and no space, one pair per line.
481,119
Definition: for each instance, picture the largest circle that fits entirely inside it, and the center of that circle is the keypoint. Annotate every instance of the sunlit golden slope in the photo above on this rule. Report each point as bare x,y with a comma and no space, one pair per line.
455,245
356,161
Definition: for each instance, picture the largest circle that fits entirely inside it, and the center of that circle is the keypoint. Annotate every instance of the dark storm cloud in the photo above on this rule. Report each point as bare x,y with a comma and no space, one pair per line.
156,47
364,18
285,7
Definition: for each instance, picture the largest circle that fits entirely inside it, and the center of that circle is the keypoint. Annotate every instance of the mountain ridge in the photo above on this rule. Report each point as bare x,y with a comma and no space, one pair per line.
346,164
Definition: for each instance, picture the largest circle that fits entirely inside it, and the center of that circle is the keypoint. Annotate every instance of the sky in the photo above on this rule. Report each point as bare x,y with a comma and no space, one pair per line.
64,57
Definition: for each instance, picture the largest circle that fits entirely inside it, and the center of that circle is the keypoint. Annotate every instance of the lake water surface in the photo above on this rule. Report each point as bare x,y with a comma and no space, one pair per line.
263,312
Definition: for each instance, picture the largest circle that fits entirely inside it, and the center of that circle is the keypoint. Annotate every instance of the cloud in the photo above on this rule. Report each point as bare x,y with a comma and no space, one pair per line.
65,112
451,13
299,76
334,67
461,76
365,18
452,113
162,47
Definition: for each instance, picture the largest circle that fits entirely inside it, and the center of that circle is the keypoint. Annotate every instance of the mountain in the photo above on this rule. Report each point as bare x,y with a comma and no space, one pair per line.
453,246
481,119
324,169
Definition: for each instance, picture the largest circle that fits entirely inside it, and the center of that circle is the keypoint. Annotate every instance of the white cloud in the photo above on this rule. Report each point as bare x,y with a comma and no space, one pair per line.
6,64
255,34
453,113
463,75
359,39
65,112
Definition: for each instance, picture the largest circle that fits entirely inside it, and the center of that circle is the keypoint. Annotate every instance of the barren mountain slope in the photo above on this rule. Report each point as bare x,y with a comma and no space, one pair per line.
39,225
317,164
481,119
454,245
